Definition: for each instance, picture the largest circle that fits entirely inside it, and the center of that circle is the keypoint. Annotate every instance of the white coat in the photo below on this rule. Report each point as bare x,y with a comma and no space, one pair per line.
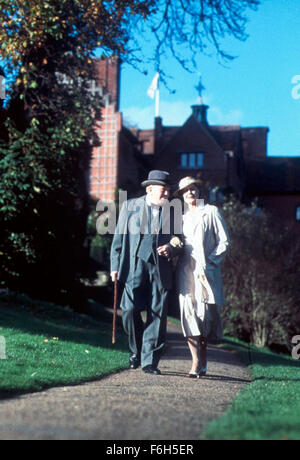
206,242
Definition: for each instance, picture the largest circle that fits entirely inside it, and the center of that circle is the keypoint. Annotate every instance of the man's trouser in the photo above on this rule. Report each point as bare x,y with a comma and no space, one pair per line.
143,291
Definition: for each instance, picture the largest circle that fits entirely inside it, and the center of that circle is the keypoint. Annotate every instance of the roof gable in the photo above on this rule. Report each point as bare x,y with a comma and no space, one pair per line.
192,135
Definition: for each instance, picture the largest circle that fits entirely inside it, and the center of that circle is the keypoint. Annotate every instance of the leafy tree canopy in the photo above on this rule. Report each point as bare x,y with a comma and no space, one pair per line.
184,28
47,48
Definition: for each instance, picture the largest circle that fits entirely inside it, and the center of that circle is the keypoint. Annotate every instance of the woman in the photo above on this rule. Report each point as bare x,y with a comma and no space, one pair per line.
199,273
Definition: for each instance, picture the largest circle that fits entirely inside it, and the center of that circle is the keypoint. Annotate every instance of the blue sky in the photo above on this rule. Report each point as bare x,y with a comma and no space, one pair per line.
255,89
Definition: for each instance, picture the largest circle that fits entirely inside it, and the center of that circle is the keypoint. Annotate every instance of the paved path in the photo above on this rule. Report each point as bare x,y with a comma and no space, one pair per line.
131,405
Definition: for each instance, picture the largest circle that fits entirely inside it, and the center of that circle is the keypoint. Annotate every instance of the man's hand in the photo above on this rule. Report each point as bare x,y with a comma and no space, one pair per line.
114,276
164,251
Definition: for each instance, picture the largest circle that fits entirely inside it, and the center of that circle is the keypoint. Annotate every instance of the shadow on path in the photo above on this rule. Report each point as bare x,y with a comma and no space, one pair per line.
131,405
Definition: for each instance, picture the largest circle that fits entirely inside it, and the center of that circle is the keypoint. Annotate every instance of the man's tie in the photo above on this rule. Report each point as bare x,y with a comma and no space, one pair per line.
154,217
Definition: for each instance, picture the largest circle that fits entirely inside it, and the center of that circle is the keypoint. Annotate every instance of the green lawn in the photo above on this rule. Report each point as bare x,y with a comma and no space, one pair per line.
269,407
47,345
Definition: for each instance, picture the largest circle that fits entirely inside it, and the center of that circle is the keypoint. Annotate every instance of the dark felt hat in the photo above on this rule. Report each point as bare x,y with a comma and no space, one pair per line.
157,178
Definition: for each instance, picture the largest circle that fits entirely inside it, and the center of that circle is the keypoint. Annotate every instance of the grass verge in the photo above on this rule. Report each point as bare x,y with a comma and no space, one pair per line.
269,407
45,345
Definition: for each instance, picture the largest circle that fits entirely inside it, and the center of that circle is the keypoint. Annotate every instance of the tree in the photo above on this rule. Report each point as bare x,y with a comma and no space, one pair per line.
187,29
47,49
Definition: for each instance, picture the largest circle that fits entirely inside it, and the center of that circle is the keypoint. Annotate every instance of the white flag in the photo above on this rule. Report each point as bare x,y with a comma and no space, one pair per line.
154,86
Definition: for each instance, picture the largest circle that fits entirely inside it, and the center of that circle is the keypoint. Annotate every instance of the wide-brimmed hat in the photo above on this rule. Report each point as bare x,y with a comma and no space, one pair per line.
157,178
185,183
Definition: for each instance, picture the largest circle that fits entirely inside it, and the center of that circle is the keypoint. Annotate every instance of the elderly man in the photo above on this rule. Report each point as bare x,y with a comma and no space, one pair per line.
144,243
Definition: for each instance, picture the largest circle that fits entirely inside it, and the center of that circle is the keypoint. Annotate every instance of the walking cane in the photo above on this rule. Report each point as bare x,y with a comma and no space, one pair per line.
115,311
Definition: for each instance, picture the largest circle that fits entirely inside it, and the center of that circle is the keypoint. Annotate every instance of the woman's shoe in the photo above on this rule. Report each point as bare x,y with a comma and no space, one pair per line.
192,375
197,375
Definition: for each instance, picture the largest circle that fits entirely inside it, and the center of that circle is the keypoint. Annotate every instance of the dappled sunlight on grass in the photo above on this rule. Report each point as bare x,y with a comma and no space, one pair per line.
47,345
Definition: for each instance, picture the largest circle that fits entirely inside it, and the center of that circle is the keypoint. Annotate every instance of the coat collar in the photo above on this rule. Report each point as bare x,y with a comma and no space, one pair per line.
202,210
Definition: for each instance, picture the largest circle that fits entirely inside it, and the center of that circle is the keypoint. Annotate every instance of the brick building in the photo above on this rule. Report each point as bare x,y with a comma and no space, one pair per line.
213,153
115,163
104,164
227,157
224,157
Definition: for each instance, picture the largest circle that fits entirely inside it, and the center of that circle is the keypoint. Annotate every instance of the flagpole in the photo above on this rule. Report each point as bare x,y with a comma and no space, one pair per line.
157,103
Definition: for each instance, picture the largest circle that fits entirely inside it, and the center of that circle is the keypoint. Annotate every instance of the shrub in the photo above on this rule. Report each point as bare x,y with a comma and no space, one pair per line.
260,276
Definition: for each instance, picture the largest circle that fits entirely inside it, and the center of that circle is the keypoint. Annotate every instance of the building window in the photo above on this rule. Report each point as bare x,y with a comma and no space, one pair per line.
298,213
193,160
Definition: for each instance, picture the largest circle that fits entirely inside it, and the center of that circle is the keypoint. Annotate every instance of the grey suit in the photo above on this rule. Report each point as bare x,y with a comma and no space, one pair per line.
147,278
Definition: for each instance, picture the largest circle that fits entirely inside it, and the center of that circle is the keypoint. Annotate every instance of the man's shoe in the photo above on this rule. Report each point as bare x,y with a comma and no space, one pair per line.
134,361
151,370
202,371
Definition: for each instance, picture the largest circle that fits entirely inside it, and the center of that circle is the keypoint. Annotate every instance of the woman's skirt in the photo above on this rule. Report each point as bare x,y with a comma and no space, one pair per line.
198,318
